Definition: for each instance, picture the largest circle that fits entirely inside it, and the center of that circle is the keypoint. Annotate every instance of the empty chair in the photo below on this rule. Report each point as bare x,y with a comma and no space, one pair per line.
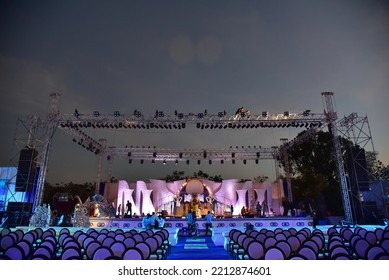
132,254
338,250
43,251
6,242
374,252
118,248
102,253
385,245
100,238
294,243
15,252
91,248
129,242
274,253
255,250
270,242
108,241
71,253
285,248
144,248
361,248
371,238
26,247
307,252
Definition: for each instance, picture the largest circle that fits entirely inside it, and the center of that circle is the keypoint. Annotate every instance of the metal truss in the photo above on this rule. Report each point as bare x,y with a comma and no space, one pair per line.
332,117
76,125
357,130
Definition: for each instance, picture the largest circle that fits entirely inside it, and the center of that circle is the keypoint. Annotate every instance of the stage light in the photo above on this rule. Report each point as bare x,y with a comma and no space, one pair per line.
265,114
96,113
116,114
244,161
233,161
130,161
141,161
222,161
164,162
187,161
176,162
210,161
154,154
198,162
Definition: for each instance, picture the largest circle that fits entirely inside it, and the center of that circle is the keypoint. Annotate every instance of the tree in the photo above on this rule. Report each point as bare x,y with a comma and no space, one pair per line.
376,169
314,173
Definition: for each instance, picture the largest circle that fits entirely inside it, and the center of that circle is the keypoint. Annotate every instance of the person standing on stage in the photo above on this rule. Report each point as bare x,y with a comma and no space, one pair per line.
129,208
258,207
208,223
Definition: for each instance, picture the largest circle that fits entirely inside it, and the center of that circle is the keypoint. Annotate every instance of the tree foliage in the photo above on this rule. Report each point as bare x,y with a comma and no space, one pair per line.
314,172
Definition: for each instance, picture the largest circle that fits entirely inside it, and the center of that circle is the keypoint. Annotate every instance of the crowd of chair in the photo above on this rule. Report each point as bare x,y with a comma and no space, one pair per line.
336,243
91,244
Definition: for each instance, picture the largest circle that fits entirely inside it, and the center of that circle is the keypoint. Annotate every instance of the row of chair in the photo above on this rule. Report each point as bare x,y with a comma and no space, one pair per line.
336,243
90,244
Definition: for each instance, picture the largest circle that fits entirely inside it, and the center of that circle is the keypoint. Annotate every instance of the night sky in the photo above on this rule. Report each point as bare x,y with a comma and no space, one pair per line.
189,56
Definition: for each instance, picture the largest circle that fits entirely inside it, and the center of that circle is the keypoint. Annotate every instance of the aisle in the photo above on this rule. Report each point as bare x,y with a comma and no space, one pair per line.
201,248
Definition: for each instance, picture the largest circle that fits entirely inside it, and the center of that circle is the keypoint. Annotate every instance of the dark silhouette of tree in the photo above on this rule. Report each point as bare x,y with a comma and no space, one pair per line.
314,173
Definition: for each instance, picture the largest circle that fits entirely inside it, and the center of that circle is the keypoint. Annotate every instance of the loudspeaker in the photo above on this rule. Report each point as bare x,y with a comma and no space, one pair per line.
19,213
26,170
357,169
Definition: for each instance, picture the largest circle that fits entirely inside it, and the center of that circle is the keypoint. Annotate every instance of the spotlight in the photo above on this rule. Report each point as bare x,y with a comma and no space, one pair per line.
210,161
96,113
141,161
187,161
116,114
164,162
244,161
233,161
130,161
222,161
265,114
198,162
